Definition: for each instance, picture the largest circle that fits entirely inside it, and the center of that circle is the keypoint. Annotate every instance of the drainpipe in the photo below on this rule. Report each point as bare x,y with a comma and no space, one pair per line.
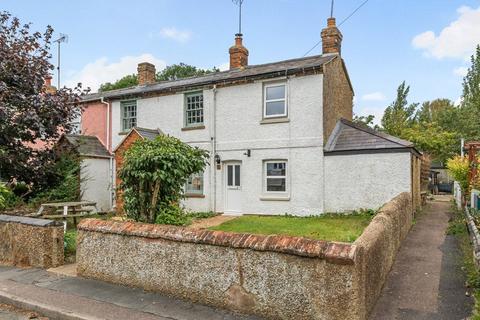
214,148
109,137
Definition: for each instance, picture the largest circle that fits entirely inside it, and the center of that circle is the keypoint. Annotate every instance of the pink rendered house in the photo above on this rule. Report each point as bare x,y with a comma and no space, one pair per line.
94,120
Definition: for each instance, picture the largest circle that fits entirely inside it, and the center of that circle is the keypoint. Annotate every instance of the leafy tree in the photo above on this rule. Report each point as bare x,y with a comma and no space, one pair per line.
154,173
173,72
182,70
438,110
125,82
364,120
399,115
430,138
468,114
28,112
471,83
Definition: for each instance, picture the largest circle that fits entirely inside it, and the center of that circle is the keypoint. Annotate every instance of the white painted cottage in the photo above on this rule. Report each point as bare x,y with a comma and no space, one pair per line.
266,127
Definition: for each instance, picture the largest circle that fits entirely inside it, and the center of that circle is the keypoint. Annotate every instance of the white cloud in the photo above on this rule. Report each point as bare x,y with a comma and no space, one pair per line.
457,40
102,70
175,34
375,111
460,71
224,66
374,96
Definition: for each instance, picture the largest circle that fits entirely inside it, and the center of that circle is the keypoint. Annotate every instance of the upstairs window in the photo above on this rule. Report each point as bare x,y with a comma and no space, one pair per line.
194,109
275,175
275,101
129,114
194,184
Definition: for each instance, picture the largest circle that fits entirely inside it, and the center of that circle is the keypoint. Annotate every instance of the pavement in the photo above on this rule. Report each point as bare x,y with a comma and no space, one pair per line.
73,298
8,312
426,281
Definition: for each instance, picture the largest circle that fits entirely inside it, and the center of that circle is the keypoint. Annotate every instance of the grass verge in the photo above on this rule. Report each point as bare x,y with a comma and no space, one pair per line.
345,228
458,228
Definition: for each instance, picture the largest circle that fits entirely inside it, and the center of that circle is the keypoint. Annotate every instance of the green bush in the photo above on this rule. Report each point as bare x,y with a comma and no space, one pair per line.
201,215
153,175
66,186
172,214
5,196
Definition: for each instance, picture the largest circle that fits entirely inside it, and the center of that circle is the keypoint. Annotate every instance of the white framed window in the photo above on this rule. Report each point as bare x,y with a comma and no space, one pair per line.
275,100
275,176
194,109
129,114
194,184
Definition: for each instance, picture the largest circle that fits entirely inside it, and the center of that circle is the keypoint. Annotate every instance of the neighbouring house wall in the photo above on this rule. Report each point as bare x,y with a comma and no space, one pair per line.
356,181
28,242
239,114
94,121
95,182
277,277
338,97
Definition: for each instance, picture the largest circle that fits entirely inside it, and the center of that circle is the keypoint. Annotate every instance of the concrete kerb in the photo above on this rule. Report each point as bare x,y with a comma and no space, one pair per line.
49,311
474,235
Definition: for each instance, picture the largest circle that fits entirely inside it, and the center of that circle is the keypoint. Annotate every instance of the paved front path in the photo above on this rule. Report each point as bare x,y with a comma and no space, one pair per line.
426,281
71,298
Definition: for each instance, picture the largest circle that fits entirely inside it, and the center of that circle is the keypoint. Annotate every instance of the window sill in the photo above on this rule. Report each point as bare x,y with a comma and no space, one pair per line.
194,195
275,198
274,120
193,128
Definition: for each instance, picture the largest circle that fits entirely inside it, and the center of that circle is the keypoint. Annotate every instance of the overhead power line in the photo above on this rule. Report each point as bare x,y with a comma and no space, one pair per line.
342,22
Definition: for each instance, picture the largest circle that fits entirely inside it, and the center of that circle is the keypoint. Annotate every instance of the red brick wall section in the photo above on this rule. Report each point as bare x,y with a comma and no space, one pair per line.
333,252
119,154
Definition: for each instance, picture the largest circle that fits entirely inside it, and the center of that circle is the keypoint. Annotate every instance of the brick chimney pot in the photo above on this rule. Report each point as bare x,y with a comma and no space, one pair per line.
238,54
146,73
331,38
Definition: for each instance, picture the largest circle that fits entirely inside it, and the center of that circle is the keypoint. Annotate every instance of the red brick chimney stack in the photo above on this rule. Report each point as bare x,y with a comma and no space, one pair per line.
146,73
331,38
238,53
47,85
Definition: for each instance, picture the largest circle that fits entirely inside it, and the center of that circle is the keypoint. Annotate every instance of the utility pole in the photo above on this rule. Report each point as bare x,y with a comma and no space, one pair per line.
62,38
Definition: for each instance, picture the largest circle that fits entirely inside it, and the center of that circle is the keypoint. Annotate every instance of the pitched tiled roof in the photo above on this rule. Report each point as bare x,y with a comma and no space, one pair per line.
262,70
148,133
349,136
87,145
145,133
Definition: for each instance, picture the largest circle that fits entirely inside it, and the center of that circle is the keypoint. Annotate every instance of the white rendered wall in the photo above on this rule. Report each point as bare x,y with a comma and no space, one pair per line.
95,182
239,115
365,181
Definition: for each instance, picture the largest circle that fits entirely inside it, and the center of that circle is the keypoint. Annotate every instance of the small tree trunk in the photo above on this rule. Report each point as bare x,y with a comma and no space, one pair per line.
156,190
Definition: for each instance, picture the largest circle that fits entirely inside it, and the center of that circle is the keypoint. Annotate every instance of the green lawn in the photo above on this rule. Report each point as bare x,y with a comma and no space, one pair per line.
345,228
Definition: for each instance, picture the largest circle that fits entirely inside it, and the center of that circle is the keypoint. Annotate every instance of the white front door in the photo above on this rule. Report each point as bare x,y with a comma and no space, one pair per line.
233,188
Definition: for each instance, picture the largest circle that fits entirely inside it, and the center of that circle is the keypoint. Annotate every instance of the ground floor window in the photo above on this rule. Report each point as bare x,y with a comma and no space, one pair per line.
275,176
194,184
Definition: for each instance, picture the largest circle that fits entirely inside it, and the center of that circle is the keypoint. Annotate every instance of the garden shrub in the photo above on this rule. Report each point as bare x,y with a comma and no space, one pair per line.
172,214
7,197
458,168
153,176
66,185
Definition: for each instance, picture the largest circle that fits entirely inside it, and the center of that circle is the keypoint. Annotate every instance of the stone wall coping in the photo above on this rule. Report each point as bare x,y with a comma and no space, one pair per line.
27,220
333,252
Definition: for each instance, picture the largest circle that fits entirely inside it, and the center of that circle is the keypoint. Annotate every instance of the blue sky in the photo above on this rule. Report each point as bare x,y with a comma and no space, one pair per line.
427,42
